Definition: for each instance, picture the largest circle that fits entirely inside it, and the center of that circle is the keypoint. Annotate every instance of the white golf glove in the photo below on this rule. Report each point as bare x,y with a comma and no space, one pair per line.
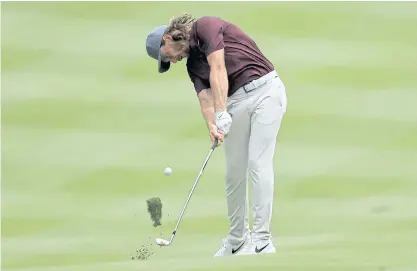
223,121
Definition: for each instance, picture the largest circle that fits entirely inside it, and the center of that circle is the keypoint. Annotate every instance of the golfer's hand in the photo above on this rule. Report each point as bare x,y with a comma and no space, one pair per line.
214,133
223,121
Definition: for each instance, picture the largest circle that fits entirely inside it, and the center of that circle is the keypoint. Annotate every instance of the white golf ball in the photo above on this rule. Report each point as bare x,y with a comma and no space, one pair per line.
168,171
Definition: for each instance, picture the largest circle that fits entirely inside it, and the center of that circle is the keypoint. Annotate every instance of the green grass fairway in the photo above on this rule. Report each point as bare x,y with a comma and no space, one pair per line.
88,126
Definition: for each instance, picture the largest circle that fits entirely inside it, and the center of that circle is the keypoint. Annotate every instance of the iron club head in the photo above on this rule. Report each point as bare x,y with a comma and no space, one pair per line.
162,242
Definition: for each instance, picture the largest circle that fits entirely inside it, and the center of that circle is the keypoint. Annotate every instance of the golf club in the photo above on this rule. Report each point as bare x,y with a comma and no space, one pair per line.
163,242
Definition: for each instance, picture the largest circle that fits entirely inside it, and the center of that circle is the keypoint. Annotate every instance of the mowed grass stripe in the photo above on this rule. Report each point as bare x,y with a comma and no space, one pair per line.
110,158
311,259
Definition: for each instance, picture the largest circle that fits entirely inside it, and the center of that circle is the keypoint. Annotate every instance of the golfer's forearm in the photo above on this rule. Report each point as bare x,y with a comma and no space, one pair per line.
219,85
208,114
206,105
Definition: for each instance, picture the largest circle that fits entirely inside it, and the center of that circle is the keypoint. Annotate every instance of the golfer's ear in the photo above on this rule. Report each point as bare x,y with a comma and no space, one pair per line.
216,59
166,37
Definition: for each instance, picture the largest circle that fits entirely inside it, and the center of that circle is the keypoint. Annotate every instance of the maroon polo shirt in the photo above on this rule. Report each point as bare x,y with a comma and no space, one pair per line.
244,60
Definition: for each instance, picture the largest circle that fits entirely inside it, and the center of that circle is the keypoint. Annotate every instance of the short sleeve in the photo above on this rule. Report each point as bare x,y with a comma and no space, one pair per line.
199,84
210,34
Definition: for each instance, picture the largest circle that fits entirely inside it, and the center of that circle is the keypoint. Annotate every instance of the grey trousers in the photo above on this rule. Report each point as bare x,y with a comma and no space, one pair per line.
249,148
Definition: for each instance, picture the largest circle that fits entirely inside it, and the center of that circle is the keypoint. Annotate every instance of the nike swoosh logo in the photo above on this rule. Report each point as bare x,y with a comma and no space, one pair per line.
236,250
260,249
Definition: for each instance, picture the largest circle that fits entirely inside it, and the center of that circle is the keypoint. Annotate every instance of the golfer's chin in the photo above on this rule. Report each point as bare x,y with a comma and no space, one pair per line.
186,54
183,57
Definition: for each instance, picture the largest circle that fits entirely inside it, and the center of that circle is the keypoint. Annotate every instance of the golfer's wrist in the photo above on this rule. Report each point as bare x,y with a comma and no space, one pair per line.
217,112
220,109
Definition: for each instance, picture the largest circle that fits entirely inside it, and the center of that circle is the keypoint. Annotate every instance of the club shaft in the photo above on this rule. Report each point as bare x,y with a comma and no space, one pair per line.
192,190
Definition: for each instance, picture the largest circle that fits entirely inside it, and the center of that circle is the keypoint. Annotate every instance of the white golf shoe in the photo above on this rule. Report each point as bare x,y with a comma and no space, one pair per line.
227,249
254,248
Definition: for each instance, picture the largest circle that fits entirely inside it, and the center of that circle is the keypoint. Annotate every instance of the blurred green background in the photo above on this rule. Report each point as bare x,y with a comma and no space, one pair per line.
88,126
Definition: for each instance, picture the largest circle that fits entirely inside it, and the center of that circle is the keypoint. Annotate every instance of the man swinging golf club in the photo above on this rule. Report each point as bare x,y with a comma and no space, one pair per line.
243,102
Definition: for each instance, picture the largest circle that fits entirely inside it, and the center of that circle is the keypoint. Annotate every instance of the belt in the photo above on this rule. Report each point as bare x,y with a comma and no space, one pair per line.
260,81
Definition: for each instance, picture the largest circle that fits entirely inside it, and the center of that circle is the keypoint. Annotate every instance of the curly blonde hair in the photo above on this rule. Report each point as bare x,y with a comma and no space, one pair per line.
179,28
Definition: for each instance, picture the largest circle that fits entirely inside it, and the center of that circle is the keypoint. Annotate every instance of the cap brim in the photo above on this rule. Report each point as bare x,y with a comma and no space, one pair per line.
163,66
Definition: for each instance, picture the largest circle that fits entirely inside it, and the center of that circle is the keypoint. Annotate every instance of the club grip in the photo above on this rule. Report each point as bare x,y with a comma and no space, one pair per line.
216,141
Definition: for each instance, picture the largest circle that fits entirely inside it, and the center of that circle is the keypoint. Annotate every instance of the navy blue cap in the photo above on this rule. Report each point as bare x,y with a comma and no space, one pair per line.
153,46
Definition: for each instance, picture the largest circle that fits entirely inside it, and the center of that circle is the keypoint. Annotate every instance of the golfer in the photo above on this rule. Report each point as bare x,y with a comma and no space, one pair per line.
243,102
